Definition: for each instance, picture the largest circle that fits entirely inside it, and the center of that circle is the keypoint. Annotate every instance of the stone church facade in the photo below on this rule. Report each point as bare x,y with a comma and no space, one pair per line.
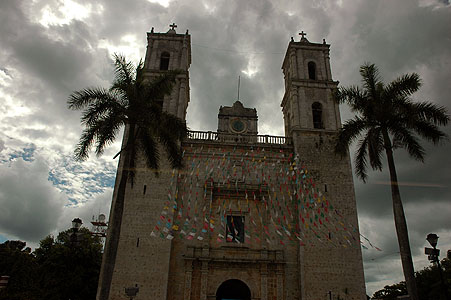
250,216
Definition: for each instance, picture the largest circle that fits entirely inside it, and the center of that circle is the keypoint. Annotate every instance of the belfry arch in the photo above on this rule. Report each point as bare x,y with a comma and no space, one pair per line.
233,289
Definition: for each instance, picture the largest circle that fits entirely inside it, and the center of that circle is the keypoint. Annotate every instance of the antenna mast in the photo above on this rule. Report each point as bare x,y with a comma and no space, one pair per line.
238,87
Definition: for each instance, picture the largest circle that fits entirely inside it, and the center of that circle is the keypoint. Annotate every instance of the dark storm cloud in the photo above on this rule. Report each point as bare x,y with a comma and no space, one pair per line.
49,62
57,55
43,65
242,36
30,205
120,18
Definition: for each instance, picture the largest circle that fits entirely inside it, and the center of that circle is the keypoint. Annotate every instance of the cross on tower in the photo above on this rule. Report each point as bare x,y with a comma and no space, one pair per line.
303,34
173,26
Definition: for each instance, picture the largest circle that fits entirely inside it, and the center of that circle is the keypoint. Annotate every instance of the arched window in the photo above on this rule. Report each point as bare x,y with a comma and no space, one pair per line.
311,70
164,61
317,113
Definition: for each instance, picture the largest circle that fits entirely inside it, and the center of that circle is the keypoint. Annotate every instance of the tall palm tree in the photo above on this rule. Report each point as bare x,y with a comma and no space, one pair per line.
132,102
386,119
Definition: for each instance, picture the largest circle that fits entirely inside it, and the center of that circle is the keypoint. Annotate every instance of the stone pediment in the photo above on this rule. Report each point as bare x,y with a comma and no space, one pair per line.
238,110
237,119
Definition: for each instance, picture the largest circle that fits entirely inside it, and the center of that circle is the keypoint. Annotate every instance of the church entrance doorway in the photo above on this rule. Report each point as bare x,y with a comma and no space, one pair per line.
233,289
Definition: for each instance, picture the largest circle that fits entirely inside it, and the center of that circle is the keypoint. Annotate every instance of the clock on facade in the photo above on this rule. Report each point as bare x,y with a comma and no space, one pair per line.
238,125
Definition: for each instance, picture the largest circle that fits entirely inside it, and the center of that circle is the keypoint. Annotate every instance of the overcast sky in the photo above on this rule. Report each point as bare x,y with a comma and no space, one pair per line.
50,48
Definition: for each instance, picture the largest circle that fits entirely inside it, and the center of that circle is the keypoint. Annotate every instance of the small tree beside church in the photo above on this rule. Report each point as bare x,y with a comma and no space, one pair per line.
57,269
428,283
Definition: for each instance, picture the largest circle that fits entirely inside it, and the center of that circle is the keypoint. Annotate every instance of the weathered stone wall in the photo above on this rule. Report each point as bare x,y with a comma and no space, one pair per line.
282,258
198,268
331,267
332,263
194,269
140,260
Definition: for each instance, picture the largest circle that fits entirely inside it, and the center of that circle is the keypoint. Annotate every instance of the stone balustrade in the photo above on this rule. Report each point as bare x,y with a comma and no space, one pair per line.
238,138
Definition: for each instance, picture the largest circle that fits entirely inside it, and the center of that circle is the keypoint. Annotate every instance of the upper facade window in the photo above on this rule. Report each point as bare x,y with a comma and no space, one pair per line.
311,70
164,61
317,113
235,229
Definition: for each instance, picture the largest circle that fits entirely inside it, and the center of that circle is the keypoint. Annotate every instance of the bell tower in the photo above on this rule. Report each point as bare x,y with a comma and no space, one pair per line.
170,51
312,120
308,104
142,263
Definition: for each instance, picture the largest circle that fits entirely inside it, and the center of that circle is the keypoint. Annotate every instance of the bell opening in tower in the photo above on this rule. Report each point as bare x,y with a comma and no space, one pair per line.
311,70
317,114
164,61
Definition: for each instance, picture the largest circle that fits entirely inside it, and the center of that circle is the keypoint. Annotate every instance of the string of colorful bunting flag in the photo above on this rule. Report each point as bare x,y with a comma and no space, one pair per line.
251,196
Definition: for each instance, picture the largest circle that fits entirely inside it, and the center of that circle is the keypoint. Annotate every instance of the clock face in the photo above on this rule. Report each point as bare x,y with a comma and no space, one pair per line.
238,126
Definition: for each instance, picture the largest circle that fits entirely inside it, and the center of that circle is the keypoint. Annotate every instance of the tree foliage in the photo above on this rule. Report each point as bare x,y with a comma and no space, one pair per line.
17,262
134,102
387,119
57,269
391,292
428,283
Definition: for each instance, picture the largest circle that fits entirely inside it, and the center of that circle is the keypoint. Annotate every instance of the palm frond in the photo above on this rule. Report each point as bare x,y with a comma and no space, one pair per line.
370,77
150,148
160,86
108,131
353,96
403,86
81,152
375,147
171,143
348,133
123,69
122,88
360,160
83,98
174,125
173,151
87,139
139,71
130,100
171,131
132,145
432,113
428,131
404,138
99,109
384,112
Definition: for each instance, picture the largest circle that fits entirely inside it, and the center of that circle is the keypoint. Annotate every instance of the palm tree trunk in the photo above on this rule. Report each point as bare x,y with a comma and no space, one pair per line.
114,227
401,224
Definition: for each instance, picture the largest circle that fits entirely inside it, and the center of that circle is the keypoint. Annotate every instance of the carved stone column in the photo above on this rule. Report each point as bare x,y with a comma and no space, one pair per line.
264,281
204,280
181,99
295,106
279,282
188,278
327,62
173,100
293,64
